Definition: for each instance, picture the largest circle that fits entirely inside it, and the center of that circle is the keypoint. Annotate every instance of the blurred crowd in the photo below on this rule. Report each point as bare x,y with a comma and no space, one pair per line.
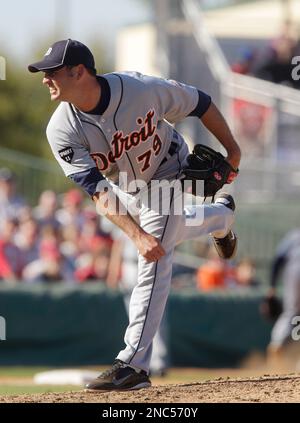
274,62
62,238
216,273
59,239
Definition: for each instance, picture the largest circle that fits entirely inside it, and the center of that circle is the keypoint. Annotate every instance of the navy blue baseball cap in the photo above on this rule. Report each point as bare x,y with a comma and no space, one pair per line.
64,53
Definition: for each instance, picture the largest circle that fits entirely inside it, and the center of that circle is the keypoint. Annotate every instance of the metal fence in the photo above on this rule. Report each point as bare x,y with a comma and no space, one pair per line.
33,174
264,116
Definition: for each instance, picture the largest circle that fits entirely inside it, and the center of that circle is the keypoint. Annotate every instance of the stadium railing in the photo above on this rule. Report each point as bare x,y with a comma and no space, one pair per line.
33,174
271,148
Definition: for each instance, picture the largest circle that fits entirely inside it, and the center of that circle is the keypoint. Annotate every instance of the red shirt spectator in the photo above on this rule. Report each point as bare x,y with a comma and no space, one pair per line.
10,259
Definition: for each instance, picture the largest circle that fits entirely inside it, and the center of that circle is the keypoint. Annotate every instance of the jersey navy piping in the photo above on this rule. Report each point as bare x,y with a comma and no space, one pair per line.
180,167
156,264
115,115
86,121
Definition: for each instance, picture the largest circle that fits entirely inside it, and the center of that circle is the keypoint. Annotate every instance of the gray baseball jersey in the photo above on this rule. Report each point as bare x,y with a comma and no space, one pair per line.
133,134
131,131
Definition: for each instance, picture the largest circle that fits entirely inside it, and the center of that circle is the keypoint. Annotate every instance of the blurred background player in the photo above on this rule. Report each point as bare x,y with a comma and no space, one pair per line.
286,263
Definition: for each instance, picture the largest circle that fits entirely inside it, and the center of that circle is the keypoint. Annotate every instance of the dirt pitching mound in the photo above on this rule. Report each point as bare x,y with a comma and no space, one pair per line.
275,388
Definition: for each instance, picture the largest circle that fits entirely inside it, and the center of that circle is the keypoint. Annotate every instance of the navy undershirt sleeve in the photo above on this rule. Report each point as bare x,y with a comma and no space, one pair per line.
202,106
88,180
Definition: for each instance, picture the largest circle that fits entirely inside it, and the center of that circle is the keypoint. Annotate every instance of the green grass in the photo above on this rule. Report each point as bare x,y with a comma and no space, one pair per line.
16,371
17,380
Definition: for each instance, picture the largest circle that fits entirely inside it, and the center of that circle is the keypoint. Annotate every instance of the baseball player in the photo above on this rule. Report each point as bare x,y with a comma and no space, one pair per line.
287,263
112,134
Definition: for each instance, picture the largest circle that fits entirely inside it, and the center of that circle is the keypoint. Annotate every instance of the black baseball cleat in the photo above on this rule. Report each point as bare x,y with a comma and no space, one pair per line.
120,377
227,200
227,246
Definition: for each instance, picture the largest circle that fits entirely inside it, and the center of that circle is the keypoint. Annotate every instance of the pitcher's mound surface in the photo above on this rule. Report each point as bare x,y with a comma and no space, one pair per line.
268,388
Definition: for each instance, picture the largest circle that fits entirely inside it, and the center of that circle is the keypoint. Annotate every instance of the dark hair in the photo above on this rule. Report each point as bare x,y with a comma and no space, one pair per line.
91,71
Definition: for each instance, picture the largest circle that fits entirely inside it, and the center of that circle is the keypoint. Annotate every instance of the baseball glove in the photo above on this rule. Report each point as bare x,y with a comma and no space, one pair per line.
271,308
210,166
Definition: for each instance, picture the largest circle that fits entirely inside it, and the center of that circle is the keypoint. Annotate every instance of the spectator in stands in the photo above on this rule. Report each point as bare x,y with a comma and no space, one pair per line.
45,211
71,211
11,204
94,265
26,240
245,62
214,274
91,229
277,66
50,267
10,259
70,245
245,274
25,214
95,247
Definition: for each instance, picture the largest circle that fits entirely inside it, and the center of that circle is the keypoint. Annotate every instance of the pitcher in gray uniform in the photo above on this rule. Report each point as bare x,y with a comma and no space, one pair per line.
113,135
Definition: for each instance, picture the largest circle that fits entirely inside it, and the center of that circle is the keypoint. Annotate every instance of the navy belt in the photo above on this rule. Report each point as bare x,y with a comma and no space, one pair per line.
172,150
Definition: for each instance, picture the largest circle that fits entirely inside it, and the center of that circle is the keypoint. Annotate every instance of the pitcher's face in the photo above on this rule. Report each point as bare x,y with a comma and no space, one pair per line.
60,83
